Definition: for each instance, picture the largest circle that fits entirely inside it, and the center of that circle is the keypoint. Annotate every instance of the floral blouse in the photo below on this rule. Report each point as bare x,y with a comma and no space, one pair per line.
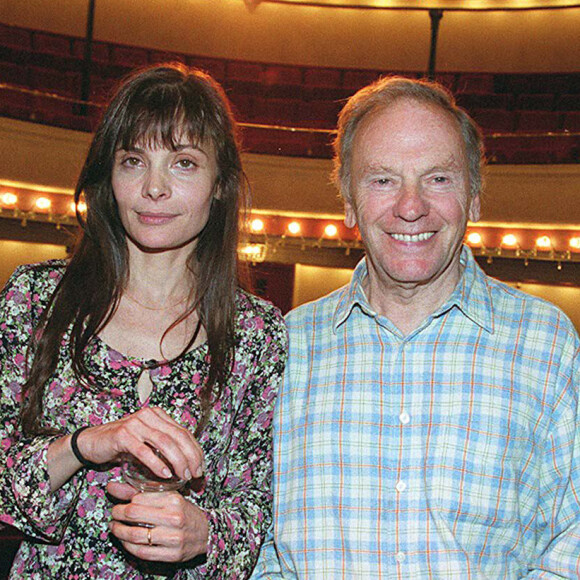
67,531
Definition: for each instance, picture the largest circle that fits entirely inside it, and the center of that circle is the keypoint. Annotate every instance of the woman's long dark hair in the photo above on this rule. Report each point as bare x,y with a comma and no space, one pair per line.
158,105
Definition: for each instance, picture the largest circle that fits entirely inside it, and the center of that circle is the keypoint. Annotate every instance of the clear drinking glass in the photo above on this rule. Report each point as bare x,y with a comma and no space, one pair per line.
143,479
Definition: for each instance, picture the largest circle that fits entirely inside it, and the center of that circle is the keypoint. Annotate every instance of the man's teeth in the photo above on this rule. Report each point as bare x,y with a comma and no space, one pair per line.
413,237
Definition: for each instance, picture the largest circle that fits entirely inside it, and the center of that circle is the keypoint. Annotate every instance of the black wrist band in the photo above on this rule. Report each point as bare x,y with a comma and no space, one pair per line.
75,449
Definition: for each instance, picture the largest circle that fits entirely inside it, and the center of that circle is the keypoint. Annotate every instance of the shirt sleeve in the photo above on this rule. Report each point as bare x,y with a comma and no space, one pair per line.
558,517
237,528
26,499
268,566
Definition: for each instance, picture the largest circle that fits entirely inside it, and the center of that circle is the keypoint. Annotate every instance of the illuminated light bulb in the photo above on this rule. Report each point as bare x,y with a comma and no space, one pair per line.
474,239
253,252
81,206
294,228
544,242
330,230
9,198
509,241
257,225
43,203
575,243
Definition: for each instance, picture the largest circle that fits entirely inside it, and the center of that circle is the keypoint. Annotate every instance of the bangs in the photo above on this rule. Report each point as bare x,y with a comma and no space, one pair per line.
164,117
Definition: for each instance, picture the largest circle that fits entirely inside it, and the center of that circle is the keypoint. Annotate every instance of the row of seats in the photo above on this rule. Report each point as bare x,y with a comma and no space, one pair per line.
34,65
483,90
288,112
507,148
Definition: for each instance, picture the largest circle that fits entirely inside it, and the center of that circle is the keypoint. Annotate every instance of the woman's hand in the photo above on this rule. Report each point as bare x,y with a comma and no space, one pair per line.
137,434
176,531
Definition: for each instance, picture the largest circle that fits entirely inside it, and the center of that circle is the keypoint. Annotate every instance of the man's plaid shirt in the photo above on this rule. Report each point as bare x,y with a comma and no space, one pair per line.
450,453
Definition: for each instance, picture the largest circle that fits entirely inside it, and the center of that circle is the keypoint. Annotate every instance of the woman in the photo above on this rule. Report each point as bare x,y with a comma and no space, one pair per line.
142,341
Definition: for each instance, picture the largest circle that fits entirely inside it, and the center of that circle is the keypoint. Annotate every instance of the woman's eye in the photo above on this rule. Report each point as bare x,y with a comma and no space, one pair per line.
186,163
131,161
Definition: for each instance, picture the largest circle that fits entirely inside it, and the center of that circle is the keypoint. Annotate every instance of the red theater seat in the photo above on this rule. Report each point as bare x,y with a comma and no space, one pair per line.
572,121
495,120
15,37
66,83
482,83
51,43
357,79
128,56
539,121
535,102
472,101
213,66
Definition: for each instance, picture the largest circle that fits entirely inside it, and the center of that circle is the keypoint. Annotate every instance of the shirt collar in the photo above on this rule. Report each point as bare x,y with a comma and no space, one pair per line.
353,295
471,295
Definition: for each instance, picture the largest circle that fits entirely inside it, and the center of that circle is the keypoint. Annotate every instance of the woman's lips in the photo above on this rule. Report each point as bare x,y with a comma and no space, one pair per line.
155,218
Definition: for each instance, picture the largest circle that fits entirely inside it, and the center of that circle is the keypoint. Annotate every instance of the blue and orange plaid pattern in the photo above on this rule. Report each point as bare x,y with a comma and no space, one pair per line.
450,453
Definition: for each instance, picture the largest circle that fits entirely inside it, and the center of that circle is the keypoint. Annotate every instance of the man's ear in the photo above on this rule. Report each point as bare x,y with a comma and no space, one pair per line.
475,209
349,214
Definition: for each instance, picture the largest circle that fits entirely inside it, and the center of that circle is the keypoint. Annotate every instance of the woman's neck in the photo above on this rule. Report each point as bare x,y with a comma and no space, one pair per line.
159,280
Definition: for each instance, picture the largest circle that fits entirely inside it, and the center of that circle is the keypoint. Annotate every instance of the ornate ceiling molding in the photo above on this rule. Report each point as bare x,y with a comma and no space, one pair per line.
455,5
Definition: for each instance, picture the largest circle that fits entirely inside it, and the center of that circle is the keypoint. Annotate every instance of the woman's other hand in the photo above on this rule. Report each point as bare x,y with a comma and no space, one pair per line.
160,527
137,434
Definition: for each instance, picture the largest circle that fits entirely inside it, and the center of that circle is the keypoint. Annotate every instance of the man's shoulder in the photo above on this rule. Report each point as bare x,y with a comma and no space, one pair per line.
317,311
512,304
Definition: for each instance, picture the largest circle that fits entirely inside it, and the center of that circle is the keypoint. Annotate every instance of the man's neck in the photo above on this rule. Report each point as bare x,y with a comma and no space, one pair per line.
408,305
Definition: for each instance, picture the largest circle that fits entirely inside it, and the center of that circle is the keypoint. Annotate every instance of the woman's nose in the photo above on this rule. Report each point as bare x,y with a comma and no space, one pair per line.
157,185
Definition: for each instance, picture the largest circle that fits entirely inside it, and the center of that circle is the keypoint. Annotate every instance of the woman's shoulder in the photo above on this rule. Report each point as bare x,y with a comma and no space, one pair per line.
258,314
37,280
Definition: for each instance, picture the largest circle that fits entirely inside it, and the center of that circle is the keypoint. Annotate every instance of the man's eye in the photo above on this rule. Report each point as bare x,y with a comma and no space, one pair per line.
440,179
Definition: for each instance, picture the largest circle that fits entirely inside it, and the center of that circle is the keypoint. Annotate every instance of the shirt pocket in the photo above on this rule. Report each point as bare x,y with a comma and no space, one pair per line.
472,476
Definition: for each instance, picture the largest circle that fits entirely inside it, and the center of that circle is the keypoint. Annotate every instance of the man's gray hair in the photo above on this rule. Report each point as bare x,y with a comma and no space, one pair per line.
385,92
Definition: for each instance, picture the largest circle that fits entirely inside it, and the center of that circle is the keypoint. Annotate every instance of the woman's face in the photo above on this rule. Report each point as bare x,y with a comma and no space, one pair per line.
164,195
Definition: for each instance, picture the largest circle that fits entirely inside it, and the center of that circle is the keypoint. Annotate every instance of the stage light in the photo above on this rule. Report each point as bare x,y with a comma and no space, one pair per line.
474,239
253,252
330,230
43,203
257,225
81,206
294,228
9,199
509,241
544,243
575,243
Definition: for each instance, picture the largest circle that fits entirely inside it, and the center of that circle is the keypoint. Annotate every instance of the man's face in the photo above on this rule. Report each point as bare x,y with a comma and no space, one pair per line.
410,195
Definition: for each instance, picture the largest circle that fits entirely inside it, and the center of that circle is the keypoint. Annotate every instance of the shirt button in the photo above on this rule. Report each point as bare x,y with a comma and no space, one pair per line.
400,557
404,417
401,486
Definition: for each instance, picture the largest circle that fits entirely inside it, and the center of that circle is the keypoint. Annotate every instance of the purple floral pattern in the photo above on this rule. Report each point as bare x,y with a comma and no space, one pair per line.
67,531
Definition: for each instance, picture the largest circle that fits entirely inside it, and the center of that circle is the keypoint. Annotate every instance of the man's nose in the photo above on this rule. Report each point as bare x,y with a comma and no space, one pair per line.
411,205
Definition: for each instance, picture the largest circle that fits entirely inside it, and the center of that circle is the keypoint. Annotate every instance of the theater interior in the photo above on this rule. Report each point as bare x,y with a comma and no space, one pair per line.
288,66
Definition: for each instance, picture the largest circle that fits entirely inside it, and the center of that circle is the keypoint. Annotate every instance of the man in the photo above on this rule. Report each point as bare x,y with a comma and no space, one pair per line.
427,426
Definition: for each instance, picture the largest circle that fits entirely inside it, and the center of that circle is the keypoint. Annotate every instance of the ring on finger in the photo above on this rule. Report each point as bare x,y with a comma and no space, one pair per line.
149,543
